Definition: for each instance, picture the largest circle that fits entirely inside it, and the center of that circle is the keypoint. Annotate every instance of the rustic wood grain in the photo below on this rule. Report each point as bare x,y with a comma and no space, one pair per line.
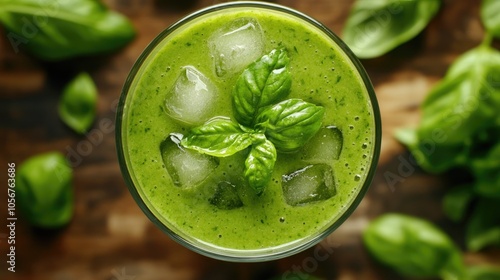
110,238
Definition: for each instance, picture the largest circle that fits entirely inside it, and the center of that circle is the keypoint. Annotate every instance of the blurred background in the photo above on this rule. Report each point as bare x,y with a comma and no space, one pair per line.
108,236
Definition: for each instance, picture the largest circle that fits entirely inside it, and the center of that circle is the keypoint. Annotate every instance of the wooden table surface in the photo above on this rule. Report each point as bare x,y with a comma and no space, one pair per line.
110,238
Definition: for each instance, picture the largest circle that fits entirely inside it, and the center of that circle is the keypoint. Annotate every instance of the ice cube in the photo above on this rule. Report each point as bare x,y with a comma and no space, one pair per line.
192,98
187,168
235,45
310,184
226,196
325,146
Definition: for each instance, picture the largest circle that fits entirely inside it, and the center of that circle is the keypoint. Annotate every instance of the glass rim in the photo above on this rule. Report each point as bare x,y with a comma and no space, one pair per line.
126,173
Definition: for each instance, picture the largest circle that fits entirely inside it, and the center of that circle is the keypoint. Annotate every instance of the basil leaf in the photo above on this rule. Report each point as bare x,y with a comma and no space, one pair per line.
413,247
483,228
218,137
290,123
429,154
55,30
486,173
262,83
77,105
44,190
259,165
430,150
466,101
481,61
373,28
461,106
490,9
483,272
456,202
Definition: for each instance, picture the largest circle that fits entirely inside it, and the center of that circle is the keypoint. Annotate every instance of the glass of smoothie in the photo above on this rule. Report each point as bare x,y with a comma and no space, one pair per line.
248,131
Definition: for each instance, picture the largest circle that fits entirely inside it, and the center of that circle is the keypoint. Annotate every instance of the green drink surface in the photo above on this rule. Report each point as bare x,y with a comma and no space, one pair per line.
321,74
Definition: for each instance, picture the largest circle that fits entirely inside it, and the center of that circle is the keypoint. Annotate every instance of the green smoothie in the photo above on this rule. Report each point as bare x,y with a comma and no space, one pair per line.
211,207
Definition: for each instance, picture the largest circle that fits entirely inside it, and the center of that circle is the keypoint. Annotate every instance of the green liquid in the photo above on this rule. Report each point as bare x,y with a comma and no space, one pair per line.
321,74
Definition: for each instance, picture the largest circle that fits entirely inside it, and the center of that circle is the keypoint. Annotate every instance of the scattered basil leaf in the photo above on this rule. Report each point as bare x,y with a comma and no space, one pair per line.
480,61
44,190
259,165
486,171
483,227
77,106
264,82
483,272
413,247
218,137
470,109
432,156
490,9
456,202
461,106
407,136
290,123
373,28
55,30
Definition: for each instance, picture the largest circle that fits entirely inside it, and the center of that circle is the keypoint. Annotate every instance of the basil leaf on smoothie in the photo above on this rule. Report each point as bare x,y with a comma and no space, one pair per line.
55,30
413,247
263,83
44,190
373,28
267,128
218,137
290,123
490,9
78,103
259,165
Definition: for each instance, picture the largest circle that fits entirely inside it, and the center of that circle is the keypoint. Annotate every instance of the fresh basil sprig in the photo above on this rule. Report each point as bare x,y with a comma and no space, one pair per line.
461,107
264,128
55,30
263,83
459,129
375,27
